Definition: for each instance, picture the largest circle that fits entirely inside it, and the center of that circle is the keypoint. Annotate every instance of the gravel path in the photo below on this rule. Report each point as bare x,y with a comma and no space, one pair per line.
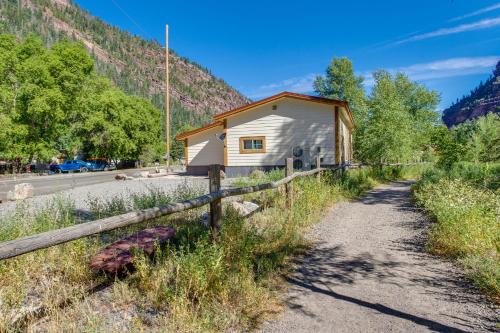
369,273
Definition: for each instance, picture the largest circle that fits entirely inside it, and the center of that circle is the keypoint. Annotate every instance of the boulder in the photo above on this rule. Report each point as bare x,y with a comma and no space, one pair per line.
21,192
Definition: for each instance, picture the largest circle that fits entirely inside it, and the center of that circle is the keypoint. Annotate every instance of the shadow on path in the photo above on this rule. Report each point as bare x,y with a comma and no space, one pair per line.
432,325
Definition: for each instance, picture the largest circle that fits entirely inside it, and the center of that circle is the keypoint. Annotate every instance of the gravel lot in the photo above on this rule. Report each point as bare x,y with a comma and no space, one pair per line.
80,195
369,273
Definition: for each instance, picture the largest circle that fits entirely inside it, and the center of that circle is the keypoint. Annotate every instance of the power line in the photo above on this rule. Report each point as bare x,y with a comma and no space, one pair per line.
131,19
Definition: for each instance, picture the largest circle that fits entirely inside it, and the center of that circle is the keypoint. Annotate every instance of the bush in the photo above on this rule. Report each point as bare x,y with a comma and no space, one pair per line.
467,225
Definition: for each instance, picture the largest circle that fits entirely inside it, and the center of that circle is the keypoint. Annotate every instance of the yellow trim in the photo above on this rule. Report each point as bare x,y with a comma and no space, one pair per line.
337,135
224,130
252,151
186,151
184,135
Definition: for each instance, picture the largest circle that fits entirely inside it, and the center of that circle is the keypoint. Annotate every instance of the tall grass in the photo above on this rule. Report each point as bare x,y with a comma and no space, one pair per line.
466,205
190,285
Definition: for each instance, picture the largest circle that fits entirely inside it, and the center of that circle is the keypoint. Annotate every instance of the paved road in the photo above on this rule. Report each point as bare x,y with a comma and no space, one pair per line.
56,183
369,273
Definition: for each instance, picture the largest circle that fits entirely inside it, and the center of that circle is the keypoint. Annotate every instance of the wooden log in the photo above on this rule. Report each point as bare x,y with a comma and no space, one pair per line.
215,205
47,239
289,190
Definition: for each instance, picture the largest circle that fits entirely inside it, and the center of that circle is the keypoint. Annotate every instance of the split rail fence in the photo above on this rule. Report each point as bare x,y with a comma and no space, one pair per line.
51,238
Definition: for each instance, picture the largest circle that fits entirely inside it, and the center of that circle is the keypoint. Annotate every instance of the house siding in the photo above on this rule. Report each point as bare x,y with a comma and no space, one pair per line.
293,124
205,149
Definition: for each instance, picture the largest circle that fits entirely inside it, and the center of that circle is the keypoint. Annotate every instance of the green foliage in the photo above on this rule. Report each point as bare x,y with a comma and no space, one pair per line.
473,141
394,124
135,65
340,82
467,225
51,101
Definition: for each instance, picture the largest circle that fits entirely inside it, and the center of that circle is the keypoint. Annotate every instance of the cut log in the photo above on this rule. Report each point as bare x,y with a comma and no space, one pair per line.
117,258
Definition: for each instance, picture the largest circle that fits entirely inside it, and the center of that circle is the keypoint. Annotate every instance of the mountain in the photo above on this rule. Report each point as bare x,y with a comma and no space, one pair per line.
136,65
483,99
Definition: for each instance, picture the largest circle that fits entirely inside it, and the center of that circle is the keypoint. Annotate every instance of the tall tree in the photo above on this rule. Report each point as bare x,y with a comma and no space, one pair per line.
340,82
388,133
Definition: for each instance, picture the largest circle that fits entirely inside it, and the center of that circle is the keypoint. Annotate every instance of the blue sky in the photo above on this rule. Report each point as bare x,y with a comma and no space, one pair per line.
264,47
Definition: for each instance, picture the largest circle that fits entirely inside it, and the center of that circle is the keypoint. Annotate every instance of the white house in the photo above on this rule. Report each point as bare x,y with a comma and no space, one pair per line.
261,135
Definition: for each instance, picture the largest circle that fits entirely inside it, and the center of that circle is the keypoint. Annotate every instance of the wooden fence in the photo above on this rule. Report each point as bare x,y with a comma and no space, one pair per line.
51,238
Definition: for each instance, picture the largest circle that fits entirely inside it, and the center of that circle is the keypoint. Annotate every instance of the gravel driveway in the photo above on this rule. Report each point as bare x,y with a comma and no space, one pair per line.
369,273
108,189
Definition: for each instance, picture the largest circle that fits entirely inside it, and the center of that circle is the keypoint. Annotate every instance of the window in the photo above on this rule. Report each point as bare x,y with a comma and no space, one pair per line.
250,145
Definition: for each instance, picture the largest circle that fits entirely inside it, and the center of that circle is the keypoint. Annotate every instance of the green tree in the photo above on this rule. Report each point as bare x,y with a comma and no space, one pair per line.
177,150
448,148
340,82
51,100
387,135
420,103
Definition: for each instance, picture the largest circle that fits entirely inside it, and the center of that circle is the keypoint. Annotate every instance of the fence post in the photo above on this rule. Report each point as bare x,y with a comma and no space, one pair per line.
216,205
288,186
318,166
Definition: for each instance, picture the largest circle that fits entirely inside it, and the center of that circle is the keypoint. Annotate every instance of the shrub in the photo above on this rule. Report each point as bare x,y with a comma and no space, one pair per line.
467,225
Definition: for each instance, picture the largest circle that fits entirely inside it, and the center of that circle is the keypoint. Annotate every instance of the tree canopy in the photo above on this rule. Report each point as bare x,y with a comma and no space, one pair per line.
394,123
51,100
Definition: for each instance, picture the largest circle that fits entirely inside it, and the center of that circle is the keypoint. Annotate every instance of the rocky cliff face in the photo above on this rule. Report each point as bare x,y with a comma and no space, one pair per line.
482,100
134,64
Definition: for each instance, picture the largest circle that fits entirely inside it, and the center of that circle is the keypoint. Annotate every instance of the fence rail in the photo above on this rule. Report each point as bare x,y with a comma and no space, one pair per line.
51,238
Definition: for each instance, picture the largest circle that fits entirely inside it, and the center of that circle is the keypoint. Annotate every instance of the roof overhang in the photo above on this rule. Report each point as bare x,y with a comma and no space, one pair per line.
187,134
221,116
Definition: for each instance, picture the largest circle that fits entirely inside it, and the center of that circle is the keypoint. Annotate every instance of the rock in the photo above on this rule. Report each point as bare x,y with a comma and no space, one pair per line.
243,208
205,219
21,192
144,174
122,176
250,206
256,174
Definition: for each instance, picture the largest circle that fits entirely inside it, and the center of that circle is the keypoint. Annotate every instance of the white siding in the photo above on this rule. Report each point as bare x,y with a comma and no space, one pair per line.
295,123
205,149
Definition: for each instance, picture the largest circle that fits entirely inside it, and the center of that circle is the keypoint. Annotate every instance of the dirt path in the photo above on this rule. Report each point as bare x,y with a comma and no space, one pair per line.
369,273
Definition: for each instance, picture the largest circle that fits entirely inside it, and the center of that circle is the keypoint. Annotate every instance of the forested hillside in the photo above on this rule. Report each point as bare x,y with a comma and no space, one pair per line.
483,99
134,64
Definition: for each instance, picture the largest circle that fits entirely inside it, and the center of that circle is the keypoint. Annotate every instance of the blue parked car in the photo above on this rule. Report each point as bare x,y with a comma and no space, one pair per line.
100,165
70,166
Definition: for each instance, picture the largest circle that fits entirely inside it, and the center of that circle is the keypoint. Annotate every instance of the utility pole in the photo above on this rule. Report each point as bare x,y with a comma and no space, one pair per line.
167,100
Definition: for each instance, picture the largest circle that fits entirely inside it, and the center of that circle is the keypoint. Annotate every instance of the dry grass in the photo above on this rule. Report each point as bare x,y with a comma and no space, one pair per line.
467,221
191,285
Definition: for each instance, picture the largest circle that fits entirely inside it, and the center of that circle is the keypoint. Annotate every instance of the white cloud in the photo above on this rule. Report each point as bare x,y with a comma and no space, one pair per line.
483,24
477,12
446,68
302,84
452,67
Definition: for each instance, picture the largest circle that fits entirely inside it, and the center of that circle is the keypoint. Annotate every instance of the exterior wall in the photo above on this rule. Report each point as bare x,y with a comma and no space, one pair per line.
238,171
346,133
294,123
204,148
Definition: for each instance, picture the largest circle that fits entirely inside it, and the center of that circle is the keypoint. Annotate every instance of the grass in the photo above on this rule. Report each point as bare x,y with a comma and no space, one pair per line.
192,284
466,205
